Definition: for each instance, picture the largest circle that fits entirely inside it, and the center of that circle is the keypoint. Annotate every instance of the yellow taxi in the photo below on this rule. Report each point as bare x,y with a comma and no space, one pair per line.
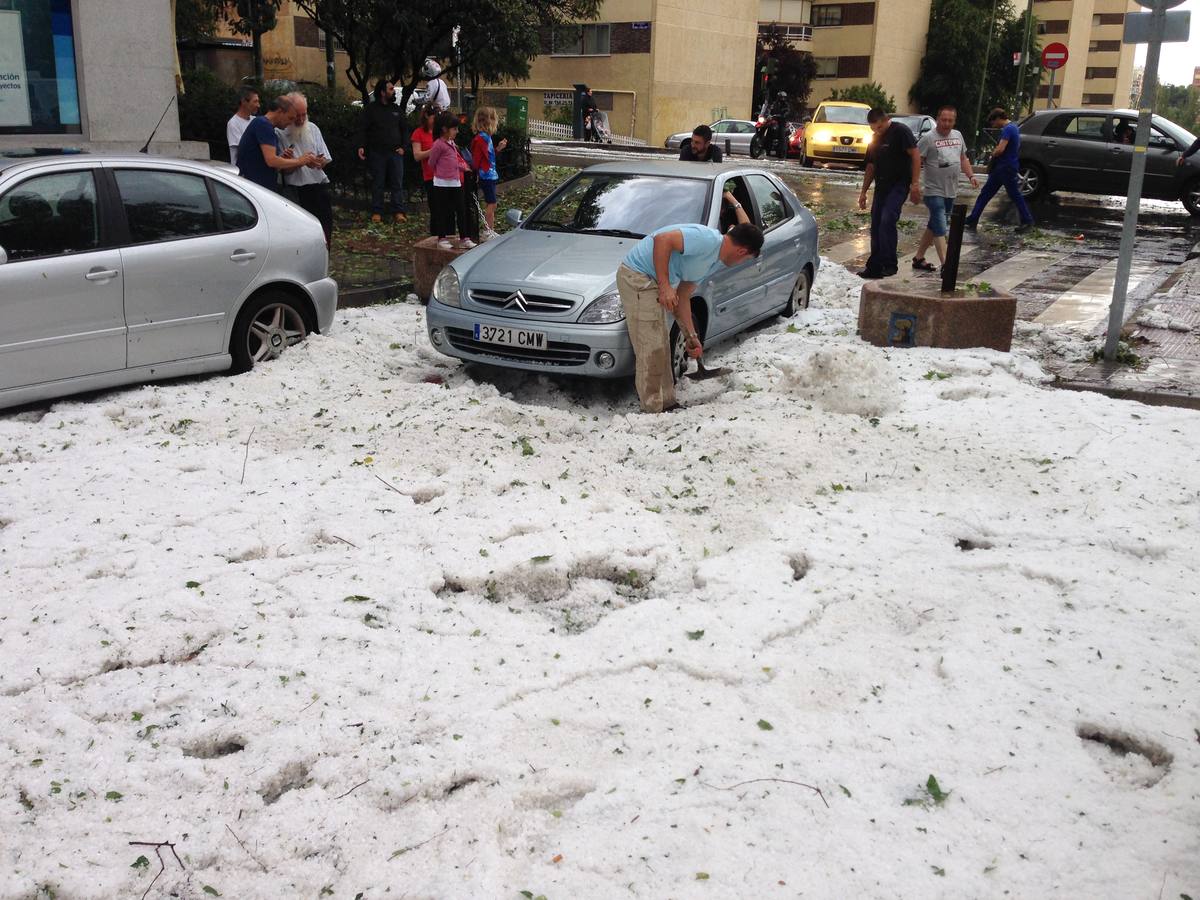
838,132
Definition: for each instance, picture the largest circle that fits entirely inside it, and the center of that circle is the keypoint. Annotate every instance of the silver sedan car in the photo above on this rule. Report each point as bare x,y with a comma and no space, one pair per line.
119,270
543,297
738,132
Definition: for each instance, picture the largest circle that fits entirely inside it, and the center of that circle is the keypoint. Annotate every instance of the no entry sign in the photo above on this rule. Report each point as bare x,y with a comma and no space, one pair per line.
1054,56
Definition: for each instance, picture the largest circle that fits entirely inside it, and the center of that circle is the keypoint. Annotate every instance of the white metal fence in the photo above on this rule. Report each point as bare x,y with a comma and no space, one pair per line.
555,131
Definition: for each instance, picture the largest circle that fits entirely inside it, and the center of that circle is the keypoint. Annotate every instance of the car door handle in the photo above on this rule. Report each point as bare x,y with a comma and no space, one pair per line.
243,255
101,274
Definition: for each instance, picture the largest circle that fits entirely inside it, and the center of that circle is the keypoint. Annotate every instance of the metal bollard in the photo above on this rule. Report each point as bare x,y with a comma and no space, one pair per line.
728,150
958,219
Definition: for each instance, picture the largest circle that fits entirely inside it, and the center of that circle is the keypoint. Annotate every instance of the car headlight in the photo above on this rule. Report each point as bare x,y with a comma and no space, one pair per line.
604,310
447,289
823,137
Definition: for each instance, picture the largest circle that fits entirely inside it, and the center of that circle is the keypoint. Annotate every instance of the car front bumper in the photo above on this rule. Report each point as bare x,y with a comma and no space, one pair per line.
324,295
837,152
571,349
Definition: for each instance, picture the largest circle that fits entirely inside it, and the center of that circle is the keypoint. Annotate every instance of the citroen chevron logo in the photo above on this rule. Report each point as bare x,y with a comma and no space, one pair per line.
517,299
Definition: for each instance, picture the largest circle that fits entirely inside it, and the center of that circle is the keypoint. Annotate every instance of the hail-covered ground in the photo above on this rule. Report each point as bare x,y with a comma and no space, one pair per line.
365,623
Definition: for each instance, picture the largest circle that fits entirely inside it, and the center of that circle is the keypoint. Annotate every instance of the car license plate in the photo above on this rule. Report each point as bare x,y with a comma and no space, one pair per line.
840,149
510,337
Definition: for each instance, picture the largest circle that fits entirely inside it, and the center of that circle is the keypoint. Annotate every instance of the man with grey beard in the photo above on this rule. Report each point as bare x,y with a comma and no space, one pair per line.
310,182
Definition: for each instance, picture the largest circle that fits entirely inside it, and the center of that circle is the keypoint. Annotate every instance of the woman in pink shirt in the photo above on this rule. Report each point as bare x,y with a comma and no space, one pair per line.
447,200
422,143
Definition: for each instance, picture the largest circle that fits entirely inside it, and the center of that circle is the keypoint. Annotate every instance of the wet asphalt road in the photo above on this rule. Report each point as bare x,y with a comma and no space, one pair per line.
1066,263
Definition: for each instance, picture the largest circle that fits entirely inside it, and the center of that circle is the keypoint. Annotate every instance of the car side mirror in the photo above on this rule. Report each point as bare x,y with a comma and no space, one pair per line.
806,120
514,217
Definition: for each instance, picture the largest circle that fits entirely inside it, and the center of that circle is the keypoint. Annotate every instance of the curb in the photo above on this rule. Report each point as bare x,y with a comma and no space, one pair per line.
1147,398
1194,253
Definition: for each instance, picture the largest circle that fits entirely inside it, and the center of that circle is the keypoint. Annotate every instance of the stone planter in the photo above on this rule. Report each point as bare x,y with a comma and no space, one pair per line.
890,315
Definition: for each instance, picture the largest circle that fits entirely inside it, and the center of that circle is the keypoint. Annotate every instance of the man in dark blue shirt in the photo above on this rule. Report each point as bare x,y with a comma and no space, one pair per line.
258,153
894,166
1002,171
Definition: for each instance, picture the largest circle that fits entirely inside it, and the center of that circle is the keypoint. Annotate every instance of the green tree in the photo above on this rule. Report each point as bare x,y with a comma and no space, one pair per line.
198,18
793,70
961,34
386,38
870,93
1180,104
195,20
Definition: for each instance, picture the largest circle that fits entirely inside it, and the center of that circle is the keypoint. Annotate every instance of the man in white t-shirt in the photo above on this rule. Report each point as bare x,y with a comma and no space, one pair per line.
311,183
943,155
436,92
236,127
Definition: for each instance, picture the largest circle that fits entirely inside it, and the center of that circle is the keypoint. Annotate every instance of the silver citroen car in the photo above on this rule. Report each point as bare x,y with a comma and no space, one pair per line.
543,297
120,270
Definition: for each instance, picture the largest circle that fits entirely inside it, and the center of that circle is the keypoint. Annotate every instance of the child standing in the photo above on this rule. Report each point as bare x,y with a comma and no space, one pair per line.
483,154
447,192
422,143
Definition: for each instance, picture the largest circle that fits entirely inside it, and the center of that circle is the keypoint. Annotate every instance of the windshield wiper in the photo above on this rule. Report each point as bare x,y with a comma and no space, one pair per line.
614,232
547,225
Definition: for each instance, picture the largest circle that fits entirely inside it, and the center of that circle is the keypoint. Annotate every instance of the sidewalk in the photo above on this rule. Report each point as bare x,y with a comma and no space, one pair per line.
1165,334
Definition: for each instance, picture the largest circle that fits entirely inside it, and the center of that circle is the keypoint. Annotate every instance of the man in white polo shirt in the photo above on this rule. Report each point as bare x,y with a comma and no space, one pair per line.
311,183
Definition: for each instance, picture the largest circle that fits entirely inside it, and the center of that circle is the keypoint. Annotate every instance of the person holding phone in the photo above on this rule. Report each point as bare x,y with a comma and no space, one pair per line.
304,138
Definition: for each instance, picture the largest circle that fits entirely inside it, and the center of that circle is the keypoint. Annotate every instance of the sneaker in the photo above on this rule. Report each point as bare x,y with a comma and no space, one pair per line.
1023,227
969,225
444,244
867,273
922,266
400,218
467,244
376,217
486,235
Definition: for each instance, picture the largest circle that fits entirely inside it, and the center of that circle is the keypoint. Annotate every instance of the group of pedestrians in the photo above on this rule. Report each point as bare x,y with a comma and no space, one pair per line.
903,168
284,142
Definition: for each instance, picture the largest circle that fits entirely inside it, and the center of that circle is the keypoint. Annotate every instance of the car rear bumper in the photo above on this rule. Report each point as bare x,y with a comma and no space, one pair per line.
570,349
324,295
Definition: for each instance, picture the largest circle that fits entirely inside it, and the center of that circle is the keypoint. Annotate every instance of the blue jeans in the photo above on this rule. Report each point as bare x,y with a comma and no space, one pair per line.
387,173
939,214
885,213
1001,176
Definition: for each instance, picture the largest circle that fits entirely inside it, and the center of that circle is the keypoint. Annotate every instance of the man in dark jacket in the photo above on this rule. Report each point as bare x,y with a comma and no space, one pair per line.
381,144
701,147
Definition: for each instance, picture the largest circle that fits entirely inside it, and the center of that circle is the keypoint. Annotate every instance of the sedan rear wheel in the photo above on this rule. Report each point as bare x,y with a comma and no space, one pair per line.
1191,197
265,328
1031,180
800,295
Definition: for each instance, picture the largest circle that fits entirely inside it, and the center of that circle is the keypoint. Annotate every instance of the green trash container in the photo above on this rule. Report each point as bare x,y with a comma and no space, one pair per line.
518,113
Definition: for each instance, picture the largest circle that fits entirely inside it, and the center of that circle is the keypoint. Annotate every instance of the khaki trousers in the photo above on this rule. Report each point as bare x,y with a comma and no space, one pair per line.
648,334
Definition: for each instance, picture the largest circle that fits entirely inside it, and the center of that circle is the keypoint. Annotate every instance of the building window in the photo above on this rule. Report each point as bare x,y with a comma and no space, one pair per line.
307,33
1054,26
824,16
39,93
854,66
1104,47
1100,72
581,40
1108,19
827,66
1097,99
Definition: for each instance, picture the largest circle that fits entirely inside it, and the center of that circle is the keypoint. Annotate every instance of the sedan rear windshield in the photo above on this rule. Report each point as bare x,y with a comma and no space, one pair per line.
842,115
628,205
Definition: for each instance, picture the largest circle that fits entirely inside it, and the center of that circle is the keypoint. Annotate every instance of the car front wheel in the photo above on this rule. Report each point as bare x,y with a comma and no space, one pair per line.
805,159
266,327
1191,197
1031,180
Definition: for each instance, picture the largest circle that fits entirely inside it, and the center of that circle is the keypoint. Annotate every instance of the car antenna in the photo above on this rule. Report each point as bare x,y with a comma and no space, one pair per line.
146,146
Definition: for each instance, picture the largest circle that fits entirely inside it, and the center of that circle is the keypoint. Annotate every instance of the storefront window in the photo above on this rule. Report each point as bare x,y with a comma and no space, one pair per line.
39,93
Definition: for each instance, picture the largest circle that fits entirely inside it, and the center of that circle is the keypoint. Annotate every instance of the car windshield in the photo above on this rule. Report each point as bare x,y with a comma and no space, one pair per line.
628,205
1181,134
842,115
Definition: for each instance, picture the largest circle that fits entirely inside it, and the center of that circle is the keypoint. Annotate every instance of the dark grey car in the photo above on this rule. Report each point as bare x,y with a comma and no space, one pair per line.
1090,151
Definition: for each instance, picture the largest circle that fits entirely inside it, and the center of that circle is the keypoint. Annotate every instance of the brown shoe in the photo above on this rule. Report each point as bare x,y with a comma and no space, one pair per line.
376,217
400,218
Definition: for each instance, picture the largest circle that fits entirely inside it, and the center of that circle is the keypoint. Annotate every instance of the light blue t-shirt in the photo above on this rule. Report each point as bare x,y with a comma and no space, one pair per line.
701,245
